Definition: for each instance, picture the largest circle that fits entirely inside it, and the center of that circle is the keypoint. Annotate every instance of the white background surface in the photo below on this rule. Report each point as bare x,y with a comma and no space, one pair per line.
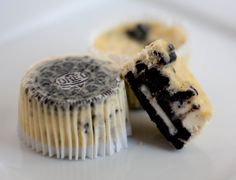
31,30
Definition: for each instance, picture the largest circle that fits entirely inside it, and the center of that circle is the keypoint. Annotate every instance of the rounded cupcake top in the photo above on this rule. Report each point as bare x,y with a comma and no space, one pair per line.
127,39
71,80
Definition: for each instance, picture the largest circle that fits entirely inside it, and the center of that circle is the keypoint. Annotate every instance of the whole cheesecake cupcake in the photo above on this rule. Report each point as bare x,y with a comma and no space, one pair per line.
73,107
127,39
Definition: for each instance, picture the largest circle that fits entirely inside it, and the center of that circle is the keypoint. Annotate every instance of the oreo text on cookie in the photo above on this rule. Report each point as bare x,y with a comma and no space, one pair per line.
71,80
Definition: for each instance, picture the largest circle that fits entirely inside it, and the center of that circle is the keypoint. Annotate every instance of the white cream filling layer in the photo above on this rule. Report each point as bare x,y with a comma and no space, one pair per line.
159,110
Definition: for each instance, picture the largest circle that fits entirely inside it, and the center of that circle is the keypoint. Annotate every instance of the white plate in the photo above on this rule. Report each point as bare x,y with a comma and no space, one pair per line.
211,156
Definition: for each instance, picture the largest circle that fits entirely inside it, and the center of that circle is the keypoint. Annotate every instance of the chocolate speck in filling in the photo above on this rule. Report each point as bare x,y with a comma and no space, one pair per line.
139,32
155,53
117,110
160,57
172,56
172,53
26,91
110,116
86,125
195,106
171,47
162,60
174,70
181,96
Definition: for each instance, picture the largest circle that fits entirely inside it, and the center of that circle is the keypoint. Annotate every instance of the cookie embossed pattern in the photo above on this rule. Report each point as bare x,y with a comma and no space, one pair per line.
77,80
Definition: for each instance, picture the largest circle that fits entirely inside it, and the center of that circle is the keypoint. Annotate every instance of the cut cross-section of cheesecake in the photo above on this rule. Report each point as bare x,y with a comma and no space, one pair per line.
168,92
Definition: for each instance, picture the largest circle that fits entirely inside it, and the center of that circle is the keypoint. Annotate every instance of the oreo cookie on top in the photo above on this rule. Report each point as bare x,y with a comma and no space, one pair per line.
168,92
73,107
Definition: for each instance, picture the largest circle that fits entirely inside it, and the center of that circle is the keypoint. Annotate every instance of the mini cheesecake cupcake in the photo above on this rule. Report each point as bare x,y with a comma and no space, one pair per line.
168,92
73,107
129,38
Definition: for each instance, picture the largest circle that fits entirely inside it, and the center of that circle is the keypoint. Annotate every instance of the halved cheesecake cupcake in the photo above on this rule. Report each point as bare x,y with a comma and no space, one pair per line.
168,92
